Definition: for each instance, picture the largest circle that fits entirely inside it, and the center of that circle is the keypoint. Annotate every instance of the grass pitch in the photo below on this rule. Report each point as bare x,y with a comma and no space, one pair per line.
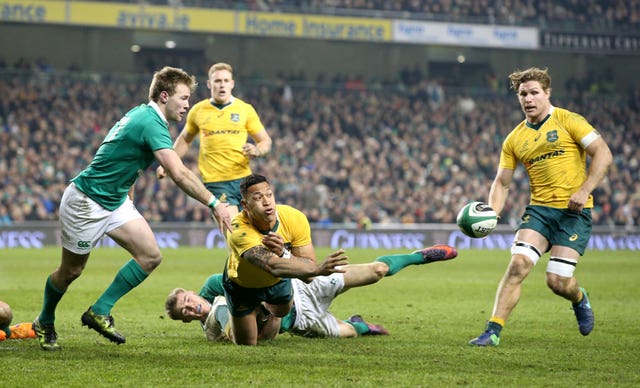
431,312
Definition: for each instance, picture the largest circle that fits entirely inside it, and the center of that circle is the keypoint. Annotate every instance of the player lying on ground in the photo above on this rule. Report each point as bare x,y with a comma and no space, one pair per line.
310,316
17,331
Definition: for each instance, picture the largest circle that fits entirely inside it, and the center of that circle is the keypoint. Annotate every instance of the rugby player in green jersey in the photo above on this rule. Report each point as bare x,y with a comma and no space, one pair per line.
99,202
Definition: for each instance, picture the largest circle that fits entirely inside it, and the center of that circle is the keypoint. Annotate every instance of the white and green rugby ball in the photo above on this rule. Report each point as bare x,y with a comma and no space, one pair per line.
476,219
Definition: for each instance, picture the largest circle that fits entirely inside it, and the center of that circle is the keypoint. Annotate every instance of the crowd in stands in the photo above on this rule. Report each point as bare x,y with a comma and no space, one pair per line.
408,153
596,14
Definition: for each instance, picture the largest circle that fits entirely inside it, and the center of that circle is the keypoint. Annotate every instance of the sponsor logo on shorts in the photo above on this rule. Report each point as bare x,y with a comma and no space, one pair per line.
84,244
573,237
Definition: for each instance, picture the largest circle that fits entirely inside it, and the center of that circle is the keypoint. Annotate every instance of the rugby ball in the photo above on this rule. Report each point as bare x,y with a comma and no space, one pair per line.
477,219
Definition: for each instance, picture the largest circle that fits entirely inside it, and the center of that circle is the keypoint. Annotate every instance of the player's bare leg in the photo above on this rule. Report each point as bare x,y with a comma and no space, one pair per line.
138,239
525,255
245,329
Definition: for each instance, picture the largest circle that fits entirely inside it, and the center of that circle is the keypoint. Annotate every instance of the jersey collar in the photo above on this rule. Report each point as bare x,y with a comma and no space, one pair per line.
222,106
155,107
537,126
275,226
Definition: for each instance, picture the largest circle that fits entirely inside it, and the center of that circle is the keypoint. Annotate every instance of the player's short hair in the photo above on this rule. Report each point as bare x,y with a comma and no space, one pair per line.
167,79
251,180
170,304
220,66
6,315
519,77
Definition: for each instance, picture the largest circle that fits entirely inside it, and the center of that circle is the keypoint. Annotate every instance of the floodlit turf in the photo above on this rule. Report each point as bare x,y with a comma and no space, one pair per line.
431,312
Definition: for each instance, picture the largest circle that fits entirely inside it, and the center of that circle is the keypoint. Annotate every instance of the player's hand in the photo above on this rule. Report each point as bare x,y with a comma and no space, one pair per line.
578,200
333,263
221,214
274,242
160,172
251,150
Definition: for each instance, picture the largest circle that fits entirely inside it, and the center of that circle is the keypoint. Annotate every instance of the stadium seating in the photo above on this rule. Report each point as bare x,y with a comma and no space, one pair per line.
393,152
568,14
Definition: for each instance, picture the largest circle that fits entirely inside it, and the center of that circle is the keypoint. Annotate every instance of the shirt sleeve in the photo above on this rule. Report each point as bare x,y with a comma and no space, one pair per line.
157,136
508,159
254,125
212,287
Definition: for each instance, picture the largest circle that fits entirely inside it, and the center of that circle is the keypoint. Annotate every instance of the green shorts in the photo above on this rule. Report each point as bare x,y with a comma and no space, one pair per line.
242,301
562,227
226,191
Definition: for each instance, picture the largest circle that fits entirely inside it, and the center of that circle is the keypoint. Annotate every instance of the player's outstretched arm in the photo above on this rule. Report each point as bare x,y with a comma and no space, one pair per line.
180,146
291,266
188,182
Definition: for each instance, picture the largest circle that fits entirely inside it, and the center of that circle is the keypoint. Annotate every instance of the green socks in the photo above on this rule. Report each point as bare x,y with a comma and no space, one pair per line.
129,276
52,296
361,327
398,262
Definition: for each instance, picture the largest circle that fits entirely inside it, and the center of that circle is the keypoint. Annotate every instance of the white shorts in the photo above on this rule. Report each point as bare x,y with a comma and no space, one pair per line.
85,222
312,302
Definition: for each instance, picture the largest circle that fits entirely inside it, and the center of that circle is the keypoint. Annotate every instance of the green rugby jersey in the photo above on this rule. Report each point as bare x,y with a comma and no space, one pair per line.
125,153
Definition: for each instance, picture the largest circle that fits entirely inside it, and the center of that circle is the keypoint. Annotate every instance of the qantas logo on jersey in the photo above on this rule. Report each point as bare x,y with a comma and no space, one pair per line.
221,132
548,155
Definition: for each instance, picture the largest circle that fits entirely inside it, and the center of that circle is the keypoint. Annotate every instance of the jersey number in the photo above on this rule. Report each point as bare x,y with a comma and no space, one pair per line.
116,128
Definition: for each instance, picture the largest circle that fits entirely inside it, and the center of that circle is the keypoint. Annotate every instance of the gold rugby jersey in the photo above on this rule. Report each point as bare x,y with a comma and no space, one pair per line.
223,131
292,225
553,154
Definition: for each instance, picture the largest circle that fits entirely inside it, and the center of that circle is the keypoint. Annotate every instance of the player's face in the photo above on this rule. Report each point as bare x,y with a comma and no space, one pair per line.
192,306
260,204
534,101
221,84
178,104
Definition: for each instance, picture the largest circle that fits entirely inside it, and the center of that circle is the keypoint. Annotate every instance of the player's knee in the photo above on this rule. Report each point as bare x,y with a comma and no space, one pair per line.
523,249
519,267
555,286
69,274
150,261
244,340
380,269
560,274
